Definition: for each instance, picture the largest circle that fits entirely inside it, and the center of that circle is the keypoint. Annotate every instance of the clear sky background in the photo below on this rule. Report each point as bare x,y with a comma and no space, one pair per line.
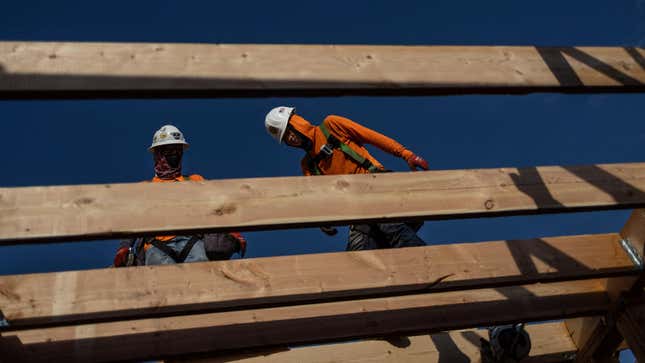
86,142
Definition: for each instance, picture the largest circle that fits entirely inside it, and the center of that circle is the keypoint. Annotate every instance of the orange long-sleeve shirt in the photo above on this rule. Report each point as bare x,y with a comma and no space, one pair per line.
353,135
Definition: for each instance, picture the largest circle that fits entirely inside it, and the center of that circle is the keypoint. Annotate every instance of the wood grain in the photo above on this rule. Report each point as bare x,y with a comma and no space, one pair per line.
550,343
599,338
90,70
112,294
304,324
82,212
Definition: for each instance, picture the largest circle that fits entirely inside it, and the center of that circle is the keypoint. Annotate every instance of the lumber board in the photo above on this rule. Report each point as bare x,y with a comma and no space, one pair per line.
631,325
112,294
634,231
136,70
550,344
303,324
598,337
83,212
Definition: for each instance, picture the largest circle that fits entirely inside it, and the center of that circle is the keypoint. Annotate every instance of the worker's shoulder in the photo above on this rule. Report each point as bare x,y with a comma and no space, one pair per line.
335,118
336,122
195,177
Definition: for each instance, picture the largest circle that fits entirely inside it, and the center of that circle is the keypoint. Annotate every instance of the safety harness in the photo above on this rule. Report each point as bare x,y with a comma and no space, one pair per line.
327,150
177,257
161,245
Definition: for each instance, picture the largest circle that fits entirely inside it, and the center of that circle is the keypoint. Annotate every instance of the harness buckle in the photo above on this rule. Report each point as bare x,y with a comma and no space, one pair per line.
130,258
326,150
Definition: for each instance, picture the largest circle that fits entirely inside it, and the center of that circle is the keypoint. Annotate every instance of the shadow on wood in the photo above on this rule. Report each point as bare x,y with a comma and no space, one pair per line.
149,339
638,58
566,75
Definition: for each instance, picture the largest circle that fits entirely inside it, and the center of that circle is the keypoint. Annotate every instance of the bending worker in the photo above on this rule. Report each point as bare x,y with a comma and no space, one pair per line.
168,146
336,147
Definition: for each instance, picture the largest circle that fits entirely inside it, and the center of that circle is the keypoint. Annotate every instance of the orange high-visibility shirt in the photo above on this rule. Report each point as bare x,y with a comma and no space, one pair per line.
353,135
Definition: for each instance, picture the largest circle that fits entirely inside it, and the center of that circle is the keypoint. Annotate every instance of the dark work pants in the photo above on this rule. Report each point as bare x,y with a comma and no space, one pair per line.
383,235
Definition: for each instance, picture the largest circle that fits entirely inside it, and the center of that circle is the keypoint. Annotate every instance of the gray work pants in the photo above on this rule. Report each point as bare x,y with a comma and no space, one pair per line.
383,235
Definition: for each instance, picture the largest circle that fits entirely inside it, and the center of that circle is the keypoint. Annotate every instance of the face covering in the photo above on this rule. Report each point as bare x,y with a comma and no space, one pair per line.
168,162
305,143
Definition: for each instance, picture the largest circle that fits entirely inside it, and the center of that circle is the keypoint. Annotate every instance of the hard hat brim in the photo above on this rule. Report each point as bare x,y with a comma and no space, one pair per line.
169,142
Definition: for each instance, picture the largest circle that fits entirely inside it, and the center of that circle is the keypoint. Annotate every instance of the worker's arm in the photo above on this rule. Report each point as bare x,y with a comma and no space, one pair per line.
121,256
363,135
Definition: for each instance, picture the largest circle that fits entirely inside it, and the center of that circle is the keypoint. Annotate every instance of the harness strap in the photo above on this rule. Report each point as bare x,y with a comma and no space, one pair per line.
334,143
189,246
172,253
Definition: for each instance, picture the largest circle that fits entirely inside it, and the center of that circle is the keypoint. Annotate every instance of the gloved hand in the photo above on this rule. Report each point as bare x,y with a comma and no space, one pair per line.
330,231
241,240
121,257
415,162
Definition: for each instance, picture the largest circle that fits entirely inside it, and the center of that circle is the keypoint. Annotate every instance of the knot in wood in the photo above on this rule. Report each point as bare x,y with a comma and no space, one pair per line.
225,209
342,184
84,200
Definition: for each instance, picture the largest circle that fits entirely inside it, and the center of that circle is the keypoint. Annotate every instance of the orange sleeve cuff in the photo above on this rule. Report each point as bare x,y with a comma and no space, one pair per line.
406,154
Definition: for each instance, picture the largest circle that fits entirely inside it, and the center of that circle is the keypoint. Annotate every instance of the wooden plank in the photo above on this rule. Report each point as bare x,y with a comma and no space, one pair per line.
631,325
86,70
301,324
634,231
598,337
550,344
109,294
64,213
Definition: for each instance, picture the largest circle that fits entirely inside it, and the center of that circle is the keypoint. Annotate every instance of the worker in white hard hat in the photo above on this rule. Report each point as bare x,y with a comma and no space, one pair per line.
168,146
336,147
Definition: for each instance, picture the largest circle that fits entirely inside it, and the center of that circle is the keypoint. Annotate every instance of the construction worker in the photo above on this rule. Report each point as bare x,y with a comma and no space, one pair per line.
168,146
336,147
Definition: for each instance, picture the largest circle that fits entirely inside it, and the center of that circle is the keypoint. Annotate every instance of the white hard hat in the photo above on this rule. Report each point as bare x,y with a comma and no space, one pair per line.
277,120
166,135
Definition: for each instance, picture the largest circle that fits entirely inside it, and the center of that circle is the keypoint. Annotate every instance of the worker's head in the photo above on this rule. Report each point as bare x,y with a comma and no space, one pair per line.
276,121
168,145
284,125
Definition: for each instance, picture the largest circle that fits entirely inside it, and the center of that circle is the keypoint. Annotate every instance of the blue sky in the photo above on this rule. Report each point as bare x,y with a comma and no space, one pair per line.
80,142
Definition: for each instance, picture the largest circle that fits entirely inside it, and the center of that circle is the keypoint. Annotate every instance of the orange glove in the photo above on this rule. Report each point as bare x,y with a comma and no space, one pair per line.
242,242
121,257
415,162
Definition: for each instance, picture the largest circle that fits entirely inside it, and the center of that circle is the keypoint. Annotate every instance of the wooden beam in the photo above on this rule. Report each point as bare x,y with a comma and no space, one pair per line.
136,70
64,213
111,294
302,324
631,325
598,337
634,232
550,344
